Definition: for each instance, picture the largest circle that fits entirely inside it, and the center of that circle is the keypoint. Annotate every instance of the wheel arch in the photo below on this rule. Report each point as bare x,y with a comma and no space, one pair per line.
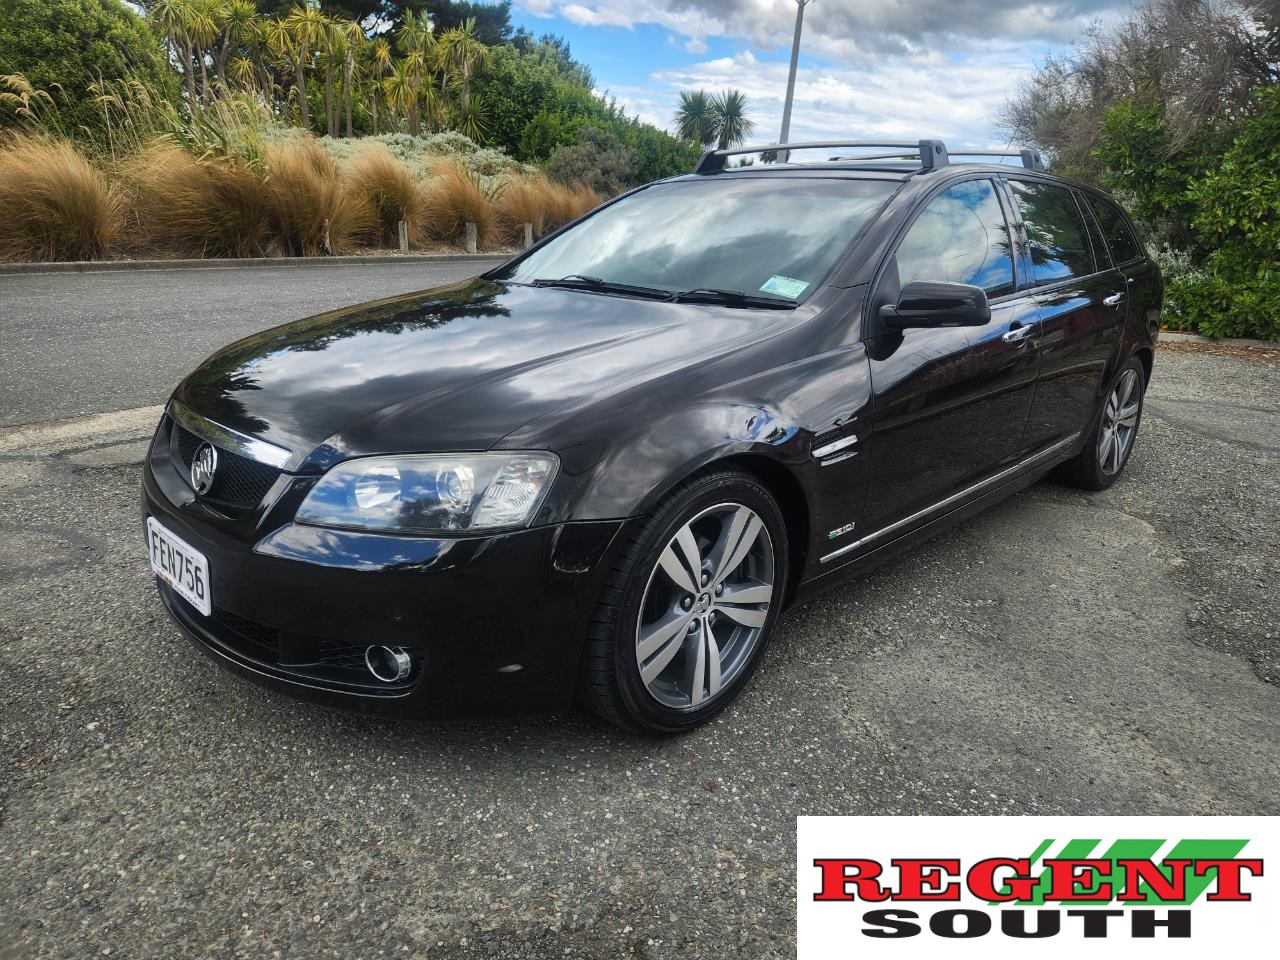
783,485
792,501
1146,356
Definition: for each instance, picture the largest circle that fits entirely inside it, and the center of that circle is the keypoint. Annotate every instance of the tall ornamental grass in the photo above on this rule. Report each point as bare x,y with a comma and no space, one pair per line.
455,198
54,204
240,196
178,205
392,193
312,210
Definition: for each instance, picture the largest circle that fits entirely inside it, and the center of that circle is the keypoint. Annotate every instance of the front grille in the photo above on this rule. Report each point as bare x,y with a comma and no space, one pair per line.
319,660
240,483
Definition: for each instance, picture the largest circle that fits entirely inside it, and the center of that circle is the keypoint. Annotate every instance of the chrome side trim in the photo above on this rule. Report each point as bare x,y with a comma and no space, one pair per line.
990,481
829,448
228,439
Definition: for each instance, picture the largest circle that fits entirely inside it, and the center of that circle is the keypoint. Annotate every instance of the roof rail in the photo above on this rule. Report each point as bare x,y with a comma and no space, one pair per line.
932,153
1031,159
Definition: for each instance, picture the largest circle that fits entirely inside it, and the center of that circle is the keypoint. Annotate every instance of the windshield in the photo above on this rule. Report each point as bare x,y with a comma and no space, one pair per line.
769,237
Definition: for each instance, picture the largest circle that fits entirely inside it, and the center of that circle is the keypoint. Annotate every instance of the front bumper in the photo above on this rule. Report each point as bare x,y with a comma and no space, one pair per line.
494,624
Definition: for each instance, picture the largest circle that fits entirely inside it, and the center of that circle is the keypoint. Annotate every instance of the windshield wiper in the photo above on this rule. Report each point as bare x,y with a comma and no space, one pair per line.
734,298
577,281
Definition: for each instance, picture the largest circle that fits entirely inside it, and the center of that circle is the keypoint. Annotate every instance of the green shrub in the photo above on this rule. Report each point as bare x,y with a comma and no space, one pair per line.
1211,211
67,45
1238,218
598,159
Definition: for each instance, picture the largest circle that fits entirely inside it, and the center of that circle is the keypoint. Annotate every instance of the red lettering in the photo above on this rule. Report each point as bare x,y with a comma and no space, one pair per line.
1160,886
837,878
1072,879
925,879
981,880
1228,877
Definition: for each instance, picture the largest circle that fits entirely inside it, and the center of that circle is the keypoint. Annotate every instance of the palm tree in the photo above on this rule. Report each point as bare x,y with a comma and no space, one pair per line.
464,54
353,39
238,23
202,29
694,118
411,77
404,89
733,126
414,35
178,20
472,119
381,63
297,37
330,41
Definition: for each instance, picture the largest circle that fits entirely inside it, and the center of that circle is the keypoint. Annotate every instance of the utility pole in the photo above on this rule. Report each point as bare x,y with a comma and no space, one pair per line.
791,77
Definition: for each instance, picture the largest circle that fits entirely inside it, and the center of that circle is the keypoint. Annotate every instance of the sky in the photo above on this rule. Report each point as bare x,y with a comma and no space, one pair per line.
869,69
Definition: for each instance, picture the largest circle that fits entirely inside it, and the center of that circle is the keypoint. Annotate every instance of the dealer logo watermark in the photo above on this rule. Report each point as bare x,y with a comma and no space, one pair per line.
1019,886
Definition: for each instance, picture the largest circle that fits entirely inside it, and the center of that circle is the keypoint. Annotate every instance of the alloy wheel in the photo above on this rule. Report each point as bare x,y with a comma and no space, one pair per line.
705,606
1119,423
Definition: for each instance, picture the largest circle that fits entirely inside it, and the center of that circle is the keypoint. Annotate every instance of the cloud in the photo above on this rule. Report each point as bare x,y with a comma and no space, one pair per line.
870,68
842,29
905,97
539,8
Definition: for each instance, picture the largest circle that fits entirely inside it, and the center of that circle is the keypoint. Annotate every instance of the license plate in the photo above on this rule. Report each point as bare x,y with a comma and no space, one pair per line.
180,565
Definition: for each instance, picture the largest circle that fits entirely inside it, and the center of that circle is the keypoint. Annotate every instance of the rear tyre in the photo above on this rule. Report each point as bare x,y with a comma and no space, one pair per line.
689,606
1115,429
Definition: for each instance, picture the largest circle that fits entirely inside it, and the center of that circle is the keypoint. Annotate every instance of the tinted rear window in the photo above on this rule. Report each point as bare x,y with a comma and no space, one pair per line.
1120,239
1055,231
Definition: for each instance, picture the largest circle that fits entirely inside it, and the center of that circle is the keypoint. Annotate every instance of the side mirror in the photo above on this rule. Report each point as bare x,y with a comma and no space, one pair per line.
924,303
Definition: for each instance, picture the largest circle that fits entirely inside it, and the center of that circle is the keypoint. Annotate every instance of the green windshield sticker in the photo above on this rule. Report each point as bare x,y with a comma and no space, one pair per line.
784,286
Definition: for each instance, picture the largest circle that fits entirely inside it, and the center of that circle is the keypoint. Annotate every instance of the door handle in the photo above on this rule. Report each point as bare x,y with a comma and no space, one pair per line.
1114,300
1018,332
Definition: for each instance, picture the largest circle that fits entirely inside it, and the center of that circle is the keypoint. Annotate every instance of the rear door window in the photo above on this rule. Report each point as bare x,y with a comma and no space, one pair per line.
1056,233
960,237
1101,250
1120,239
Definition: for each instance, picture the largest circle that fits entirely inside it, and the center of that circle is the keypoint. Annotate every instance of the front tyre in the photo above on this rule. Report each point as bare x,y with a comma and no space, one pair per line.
1107,450
689,607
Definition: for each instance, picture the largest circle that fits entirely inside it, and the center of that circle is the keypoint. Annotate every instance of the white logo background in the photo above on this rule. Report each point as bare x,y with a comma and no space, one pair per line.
830,930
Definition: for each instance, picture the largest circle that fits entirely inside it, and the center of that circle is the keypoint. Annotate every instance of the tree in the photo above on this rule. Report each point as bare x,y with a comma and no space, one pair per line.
720,120
1198,60
491,22
380,63
695,120
73,43
299,35
462,54
733,126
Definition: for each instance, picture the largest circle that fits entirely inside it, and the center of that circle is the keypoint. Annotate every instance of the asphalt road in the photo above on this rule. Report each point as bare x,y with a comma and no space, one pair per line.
1062,653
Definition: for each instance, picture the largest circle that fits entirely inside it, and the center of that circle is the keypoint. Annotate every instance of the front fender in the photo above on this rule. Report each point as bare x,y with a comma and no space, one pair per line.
640,451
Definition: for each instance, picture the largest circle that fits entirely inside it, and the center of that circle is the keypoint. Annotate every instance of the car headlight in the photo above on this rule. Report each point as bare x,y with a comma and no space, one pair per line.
429,493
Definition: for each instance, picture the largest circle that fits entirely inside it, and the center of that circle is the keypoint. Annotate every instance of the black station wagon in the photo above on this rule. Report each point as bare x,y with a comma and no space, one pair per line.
606,467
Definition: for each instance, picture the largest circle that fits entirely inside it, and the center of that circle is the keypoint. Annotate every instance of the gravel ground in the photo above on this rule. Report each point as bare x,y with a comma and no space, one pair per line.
1062,653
